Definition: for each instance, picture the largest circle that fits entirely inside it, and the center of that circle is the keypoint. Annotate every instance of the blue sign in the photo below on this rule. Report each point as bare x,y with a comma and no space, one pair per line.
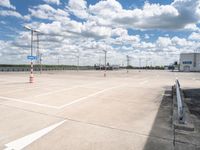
32,57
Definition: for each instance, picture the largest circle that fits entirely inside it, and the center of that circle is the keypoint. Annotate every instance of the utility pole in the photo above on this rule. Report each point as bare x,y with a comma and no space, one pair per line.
40,63
58,60
78,56
31,78
99,62
105,63
139,64
39,55
128,63
147,62
38,52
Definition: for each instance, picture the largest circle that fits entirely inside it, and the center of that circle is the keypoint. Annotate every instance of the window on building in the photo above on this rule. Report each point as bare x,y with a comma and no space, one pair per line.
187,62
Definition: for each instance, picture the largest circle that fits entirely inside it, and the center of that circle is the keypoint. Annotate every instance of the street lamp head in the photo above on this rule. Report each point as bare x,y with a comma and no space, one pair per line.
37,31
34,30
27,27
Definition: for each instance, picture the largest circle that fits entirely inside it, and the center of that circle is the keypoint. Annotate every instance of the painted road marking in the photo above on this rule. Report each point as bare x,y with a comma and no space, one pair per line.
26,140
22,89
85,97
143,82
65,89
58,91
26,102
62,106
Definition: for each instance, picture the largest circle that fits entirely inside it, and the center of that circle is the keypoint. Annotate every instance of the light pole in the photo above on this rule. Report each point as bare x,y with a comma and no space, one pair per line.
147,62
58,60
99,62
105,62
139,64
128,63
40,63
38,52
31,78
78,56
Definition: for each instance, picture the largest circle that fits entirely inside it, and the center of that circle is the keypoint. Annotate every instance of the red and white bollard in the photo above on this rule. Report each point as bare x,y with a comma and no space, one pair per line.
31,79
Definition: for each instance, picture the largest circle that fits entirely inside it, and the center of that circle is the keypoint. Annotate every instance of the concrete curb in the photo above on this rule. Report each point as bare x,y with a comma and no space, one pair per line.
188,125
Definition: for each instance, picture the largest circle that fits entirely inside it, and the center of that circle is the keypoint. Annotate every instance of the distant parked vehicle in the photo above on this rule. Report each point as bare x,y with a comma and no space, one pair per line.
108,67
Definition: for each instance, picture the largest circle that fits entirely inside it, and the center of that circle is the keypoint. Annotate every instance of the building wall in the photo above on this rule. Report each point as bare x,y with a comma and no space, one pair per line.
197,62
190,62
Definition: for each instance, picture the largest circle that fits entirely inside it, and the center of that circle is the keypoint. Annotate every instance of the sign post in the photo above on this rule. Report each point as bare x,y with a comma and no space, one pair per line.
31,79
31,57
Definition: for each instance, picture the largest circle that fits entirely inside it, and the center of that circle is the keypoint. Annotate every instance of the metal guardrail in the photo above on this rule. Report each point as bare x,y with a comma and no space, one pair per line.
179,103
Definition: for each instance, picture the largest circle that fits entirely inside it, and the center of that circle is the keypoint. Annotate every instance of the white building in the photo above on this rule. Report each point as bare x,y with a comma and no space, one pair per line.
190,62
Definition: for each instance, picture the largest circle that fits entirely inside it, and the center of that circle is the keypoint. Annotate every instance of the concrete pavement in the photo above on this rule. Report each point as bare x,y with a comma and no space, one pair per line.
122,111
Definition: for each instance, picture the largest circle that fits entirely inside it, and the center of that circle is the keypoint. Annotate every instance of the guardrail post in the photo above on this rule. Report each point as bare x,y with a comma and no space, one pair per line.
179,103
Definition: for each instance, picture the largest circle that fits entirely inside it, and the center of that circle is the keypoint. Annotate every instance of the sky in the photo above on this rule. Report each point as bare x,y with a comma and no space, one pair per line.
154,31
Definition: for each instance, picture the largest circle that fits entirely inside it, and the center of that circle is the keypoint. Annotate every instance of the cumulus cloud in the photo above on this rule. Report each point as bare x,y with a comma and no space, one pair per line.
192,27
91,29
57,2
194,36
7,4
47,12
189,11
105,8
50,28
163,42
105,25
78,8
177,15
10,13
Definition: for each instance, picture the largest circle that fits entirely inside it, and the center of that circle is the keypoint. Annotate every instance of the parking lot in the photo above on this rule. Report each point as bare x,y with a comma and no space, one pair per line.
84,110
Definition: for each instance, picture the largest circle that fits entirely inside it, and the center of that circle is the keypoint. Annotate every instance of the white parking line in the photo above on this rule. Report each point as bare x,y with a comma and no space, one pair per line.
143,82
62,106
27,102
65,89
91,95
23,89
26,140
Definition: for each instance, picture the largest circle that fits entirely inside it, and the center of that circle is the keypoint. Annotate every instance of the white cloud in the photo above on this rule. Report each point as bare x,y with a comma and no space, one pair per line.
78,8
129,39
10,13
47,12
57,2
105,25
91,29
163,42
176,15
192,27
176,41
119,32
146,36
7,4
194,36
50,28
106,8
151,16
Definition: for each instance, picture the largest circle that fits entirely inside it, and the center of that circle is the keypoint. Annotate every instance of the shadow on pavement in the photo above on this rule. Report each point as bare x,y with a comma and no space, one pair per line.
194,103
161,135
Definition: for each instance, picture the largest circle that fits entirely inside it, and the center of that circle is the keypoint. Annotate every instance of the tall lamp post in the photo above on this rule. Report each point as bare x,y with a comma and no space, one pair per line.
31,78
105,62
128,63
140,64
40,63
78,57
